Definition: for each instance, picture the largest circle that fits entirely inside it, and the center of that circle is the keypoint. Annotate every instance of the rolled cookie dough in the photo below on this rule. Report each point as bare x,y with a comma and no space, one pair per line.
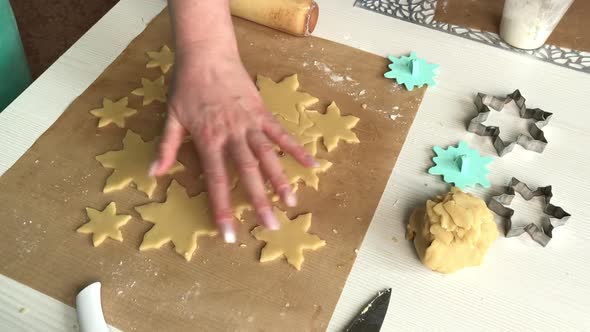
453,232
163,59
132,165
113,112
152,90
104,224
180,220
283,98
289,241
332,127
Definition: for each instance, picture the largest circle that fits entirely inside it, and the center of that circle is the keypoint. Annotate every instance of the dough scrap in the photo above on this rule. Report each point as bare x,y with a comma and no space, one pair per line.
113,112
152,90
454,232
283,98
132,164
163,59
288,241
180,219
296,172
104,224
332,127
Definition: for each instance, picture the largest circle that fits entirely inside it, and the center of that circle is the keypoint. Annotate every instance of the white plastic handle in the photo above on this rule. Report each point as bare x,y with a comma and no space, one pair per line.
89,309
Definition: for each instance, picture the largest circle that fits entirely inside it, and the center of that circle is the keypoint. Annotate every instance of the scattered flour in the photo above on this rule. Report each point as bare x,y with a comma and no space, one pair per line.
336,78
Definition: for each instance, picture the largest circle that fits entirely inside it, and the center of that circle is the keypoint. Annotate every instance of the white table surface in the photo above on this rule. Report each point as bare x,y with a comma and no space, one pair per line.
521,286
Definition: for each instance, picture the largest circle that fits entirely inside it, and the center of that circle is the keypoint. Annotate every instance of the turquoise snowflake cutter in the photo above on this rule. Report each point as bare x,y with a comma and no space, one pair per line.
411,71
461,165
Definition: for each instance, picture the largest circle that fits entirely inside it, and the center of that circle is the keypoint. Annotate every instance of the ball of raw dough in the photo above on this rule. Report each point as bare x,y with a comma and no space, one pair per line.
453,232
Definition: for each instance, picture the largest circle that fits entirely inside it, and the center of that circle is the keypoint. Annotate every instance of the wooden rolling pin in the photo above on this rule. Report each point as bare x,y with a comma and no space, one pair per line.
297,17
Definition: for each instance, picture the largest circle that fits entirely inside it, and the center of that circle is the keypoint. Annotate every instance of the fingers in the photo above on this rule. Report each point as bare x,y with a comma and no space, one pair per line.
215,172
171,140
272,168
279,135
252,181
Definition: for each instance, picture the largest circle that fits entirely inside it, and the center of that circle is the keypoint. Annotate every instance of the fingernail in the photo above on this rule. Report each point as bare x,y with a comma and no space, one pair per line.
229,235
153,168
269,219
289,197
311,161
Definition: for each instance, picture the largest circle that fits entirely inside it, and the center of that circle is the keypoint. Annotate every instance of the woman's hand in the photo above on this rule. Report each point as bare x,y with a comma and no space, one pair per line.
213,99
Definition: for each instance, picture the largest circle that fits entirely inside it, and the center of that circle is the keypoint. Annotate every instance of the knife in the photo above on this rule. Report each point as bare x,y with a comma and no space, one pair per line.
371,317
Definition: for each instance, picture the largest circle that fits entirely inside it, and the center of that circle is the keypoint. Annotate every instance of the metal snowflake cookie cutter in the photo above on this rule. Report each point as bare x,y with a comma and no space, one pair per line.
535,141
542,235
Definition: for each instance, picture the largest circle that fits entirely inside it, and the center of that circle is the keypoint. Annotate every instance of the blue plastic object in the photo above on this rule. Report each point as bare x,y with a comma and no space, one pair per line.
461,165
14,71
411,71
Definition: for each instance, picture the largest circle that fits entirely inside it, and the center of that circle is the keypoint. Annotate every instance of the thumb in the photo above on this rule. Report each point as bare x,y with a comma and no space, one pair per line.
171,140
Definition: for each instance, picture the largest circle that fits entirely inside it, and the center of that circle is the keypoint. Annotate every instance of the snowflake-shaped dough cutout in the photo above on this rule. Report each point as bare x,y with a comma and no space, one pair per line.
283,98
411,71
289,240
461,165
163,59
180,219
298,130
104,224
152,90
113,112
332,127
296,172
132,164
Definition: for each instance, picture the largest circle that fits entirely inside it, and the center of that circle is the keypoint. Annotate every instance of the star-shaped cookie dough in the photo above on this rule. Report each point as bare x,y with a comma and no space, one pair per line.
180,220
283,98
332,127
152,90
295,171
132,165
289,241
104,224
113,112
163,59
297,130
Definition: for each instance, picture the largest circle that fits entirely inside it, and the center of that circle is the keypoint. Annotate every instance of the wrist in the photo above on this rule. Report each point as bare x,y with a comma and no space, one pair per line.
199,52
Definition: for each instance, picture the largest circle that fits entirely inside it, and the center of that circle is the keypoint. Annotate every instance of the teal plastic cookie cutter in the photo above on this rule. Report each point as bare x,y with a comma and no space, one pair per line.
461,166
411,71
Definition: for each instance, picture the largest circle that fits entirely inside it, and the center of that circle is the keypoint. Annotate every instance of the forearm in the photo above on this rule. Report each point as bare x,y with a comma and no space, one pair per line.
202,25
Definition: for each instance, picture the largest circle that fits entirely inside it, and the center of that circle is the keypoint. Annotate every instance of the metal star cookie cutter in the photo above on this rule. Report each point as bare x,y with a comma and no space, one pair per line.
535,142
542,235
